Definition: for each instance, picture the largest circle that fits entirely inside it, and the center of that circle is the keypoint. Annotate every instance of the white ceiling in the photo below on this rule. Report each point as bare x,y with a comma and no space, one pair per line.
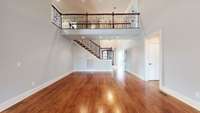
92,6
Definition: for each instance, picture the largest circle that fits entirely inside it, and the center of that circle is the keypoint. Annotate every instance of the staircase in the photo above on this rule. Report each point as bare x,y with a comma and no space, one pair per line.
94,48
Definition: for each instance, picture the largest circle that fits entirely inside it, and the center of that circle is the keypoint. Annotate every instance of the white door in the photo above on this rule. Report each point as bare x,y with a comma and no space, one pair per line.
153,61
120,59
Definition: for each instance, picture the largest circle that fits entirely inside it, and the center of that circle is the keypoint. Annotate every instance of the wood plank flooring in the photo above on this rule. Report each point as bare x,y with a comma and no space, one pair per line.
103,92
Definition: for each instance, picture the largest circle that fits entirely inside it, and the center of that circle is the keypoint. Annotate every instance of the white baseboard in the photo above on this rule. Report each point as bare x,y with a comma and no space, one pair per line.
5,105
137,75
181,97
93,70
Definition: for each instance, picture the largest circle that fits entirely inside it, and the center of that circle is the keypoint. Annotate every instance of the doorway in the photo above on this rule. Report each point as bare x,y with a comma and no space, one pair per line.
153,57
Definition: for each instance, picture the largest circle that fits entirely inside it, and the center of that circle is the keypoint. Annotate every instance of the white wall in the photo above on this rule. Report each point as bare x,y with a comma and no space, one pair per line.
85,61
179,23
135,59
31,49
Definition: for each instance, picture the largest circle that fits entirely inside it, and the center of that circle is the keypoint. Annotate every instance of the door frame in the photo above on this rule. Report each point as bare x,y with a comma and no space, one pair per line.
160,55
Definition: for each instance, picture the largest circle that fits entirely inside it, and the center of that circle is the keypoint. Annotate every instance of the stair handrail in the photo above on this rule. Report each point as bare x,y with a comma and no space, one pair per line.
95,43
93,47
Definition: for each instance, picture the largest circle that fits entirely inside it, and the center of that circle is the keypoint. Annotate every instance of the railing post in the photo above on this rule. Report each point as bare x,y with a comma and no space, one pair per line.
137,21
99,52
61,21
113,20
86,20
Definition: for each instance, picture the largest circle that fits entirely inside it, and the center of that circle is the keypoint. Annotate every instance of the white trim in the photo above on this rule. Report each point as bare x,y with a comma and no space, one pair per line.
5,105
161,65
181,97
125,33
137,75
91,70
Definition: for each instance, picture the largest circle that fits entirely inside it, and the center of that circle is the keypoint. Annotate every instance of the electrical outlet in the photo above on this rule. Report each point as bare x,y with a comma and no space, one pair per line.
197,94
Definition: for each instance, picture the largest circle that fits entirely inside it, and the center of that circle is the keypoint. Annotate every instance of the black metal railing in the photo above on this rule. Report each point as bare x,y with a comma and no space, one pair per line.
95,49
91,46
95,20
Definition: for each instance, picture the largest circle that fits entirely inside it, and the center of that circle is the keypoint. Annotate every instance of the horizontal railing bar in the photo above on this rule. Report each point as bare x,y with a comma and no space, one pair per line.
105,48
93,14
99,28
97,23
56,9
95,43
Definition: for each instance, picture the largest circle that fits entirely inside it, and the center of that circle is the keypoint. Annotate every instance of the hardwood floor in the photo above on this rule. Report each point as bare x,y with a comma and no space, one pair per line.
100,93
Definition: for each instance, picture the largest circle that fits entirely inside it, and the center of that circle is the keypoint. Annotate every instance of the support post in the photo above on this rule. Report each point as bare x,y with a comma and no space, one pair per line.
113,20
86,20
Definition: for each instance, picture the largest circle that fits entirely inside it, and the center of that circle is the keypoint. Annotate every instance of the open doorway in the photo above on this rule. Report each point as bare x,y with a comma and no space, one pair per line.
153,57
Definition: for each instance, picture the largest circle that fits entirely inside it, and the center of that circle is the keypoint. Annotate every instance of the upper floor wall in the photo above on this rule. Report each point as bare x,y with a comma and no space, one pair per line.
95,6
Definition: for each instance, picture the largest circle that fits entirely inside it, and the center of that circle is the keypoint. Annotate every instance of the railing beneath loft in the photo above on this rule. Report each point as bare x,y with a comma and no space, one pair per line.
95,20
90,46
95,49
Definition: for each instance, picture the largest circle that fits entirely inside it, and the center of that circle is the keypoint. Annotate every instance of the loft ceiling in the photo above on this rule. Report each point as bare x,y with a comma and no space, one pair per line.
92,6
